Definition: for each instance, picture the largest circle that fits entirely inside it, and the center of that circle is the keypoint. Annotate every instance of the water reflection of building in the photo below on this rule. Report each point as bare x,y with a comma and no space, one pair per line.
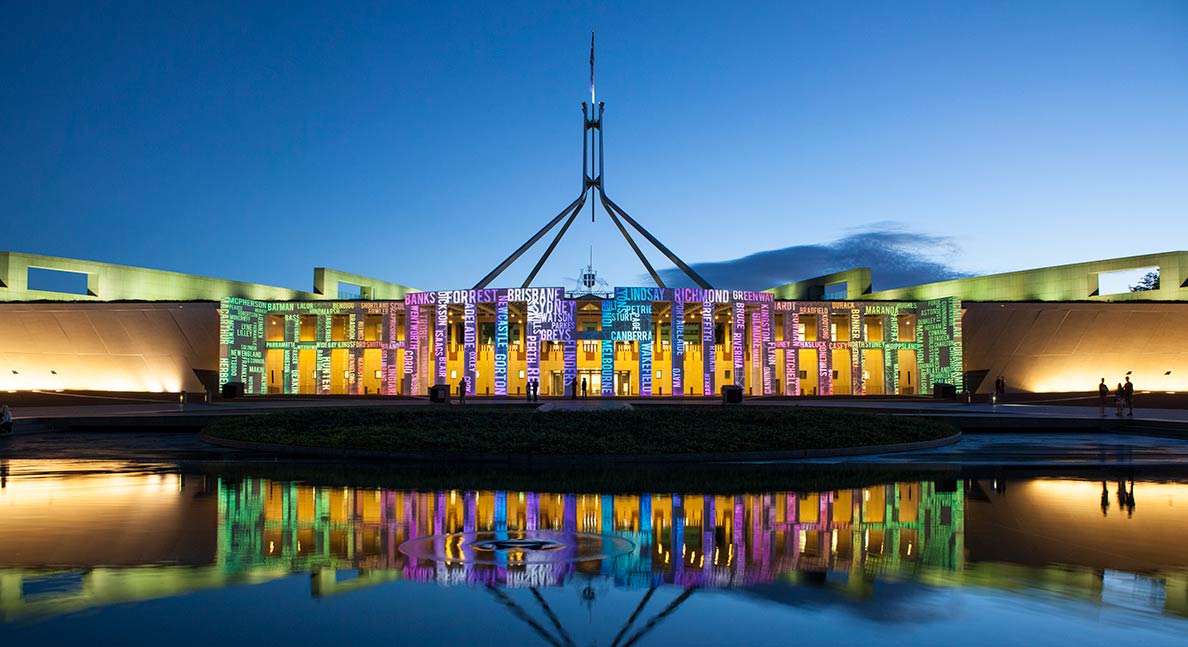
79,535
690,540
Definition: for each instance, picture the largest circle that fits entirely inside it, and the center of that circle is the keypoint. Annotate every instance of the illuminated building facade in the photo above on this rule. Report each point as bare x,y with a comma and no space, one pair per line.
1048,330
642,342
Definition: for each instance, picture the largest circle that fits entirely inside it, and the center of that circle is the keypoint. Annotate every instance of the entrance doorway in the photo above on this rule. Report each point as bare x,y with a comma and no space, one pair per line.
593,379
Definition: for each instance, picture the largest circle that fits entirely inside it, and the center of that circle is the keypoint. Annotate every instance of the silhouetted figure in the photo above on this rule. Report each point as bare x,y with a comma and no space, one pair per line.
1121,494
1130,501
3,474
573,387
1103,392
535,390
585,391
462,391
5,420
1000,388
1105,494
1128,390
1119,399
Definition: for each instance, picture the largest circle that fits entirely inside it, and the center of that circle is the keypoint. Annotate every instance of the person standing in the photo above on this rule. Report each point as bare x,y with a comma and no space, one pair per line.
1128,390
5,420
1119,398
584,391
535,390
1103,392
573,387
462,391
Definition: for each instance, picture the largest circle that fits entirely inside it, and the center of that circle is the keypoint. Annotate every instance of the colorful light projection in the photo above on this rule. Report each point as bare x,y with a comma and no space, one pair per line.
309,355
501,327
677,332
897,527
245,345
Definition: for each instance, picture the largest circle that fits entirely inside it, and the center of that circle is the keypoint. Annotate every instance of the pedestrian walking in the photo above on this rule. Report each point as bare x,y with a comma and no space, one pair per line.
1128,390
1103,392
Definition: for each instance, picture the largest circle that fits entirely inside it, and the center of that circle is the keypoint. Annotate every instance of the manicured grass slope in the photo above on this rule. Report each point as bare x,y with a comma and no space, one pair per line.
645,430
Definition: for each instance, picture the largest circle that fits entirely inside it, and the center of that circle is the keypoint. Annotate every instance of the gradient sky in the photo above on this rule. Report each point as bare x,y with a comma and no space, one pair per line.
421,143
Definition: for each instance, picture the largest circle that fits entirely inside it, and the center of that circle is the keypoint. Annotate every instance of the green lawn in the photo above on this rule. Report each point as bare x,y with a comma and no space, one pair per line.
518,430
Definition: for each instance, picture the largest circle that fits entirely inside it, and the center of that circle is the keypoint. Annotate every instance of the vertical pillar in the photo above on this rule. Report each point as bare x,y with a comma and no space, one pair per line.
891,354
708,354
569,351
791,353
412,346
292,353
608,346
569,344
766,350
440,330
677,331
470,343
737,343
857,340
532,325
501,343
824,352
323,356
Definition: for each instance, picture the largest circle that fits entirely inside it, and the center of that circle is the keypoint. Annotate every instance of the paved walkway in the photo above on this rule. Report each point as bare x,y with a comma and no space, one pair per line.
941,407
1039,450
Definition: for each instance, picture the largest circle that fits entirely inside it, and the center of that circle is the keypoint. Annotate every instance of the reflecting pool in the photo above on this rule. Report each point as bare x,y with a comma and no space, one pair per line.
133,552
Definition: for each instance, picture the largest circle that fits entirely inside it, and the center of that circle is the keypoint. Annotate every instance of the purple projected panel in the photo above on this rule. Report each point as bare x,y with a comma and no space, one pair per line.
501,343
391,386
765,346
708,352
737,352
412,350
569,350
440,329
756,351
677,332
645,368
791,350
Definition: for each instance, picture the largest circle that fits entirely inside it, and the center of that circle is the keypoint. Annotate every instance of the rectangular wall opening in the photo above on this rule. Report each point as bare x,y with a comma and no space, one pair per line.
352,292
60,281
1140,279
836,291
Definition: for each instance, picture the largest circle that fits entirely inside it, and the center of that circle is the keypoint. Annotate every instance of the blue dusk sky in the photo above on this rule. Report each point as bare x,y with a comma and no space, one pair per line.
763,142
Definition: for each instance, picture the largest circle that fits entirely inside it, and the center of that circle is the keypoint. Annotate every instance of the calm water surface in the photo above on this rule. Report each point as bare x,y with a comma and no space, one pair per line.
132,553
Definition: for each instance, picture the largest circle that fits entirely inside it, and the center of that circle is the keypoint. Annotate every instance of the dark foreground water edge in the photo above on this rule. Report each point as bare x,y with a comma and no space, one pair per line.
137,552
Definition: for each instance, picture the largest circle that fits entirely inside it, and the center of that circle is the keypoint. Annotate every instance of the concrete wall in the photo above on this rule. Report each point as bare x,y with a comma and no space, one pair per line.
107,346
108,282
1075,282
1061,347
